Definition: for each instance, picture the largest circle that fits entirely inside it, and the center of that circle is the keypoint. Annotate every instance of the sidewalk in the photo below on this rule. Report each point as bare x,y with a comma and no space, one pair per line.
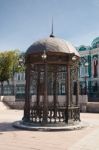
2,106
14,139
89,142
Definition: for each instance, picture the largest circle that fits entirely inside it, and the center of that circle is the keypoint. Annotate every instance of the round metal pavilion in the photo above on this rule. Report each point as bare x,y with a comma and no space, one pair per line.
51,63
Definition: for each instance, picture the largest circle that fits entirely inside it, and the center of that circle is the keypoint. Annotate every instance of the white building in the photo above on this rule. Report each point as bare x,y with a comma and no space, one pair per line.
89,74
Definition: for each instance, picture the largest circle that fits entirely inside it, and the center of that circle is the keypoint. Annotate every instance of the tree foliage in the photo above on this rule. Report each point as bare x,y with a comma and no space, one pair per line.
9,64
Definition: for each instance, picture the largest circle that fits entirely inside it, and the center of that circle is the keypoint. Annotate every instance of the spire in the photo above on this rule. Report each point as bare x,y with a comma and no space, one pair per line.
51,35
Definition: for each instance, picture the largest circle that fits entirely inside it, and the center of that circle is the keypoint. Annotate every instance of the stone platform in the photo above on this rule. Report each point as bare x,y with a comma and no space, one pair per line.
38,127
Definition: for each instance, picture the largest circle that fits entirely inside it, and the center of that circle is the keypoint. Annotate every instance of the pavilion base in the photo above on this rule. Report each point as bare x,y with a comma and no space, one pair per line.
48,127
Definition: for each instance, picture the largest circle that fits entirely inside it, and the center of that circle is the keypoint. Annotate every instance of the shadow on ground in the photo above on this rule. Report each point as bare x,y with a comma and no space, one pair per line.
7,126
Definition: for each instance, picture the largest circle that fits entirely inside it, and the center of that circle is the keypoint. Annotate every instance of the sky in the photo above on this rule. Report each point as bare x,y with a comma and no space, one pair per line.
23,22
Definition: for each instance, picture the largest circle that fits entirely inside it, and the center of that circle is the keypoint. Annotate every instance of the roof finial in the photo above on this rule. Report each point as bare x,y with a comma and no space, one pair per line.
51,35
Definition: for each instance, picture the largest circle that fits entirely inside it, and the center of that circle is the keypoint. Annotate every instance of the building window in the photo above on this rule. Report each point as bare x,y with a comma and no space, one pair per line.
18,77
22,76
63,88
95,66
20,89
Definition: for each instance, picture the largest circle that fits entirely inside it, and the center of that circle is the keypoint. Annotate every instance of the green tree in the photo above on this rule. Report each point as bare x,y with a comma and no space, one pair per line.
9,64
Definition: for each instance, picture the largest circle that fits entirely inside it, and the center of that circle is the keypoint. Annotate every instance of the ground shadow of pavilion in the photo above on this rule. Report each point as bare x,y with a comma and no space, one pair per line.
7,126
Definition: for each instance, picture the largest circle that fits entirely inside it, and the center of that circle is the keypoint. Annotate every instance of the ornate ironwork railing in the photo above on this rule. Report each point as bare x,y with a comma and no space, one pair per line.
55,115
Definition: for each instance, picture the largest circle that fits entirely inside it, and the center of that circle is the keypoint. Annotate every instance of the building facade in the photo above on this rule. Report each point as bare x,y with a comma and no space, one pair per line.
89,74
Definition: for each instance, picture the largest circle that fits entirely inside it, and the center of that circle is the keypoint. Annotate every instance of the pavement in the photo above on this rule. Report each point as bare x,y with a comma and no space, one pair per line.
3,106
16,139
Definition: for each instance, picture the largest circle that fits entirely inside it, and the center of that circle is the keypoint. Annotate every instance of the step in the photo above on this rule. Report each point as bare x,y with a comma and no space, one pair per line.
93,107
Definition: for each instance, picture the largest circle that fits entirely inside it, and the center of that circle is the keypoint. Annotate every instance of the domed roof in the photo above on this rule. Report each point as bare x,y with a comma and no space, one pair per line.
52,44
95,42
84,48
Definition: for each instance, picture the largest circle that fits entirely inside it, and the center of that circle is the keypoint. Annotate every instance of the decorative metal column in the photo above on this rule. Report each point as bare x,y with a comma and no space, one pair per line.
45,101
55,97
27,95
38,87
68,85
68,93
77,92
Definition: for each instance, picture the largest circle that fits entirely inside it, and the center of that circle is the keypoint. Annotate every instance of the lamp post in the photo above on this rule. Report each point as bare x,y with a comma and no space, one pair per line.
21,61
74,59
13,81
13,86
86,65
21,66
45,103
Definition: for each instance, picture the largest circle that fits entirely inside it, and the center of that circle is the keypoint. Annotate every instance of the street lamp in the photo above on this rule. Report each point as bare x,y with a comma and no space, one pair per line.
74,58
44,56
13,79
21,64
86,65
21,61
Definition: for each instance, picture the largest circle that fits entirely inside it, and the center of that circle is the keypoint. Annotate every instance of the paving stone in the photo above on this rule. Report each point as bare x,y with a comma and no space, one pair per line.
16,139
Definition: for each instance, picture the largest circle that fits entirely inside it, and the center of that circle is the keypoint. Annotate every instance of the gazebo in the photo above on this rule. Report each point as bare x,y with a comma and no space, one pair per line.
46,61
